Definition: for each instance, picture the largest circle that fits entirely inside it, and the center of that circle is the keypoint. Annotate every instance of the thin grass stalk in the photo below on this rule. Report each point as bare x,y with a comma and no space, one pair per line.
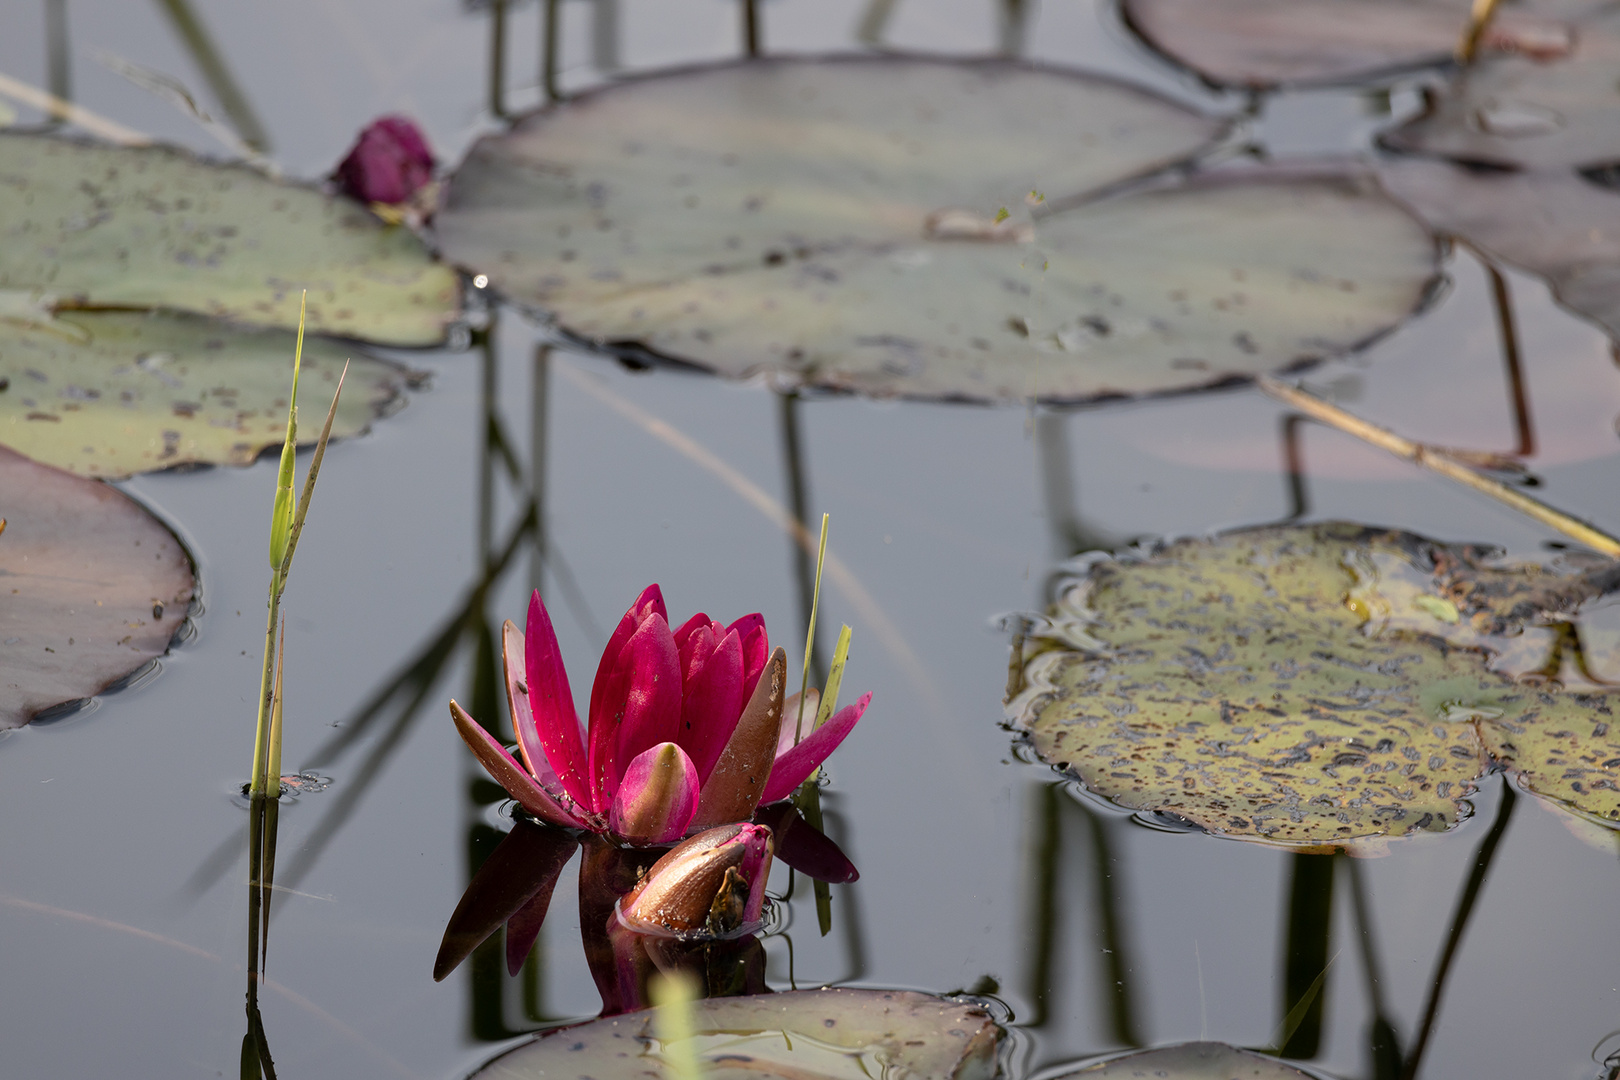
1442,462
810,635
273,777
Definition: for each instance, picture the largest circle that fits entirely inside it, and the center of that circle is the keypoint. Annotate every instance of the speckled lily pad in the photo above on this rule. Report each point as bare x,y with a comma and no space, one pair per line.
837,1034
93,588
155,227
109,394
839,223
1318,685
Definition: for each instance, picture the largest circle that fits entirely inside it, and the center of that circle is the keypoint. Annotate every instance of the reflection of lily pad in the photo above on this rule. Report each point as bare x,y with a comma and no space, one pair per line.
94,588
1190,1061
1265,43
1525,113
109,394
836,223
1551,223
1290,684
837,1034
155,227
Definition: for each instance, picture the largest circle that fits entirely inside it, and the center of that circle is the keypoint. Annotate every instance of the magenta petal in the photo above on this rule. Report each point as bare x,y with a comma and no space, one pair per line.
756,651
556,722
686,630
509,774
651,597
755,868
793,767
658,797
515,881
649,712
711,704
514,662
695,652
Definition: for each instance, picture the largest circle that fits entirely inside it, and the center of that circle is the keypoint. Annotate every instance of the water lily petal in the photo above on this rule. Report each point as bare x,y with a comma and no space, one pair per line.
640,708
518,876
756,645
757,842
552,702
509,774
685,631
804,847
648,603
793,767
711,703
738,779
515,665
791,731
657,798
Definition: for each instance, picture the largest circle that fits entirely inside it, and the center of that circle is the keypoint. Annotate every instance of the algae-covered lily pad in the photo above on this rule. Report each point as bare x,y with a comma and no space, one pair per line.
1190,1061
150,227
1554,223
109,394
840,223
1265,43
1318,685
837,1034
1521,112
93,588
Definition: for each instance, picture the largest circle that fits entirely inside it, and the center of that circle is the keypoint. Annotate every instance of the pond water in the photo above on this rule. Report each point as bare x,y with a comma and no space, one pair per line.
123,838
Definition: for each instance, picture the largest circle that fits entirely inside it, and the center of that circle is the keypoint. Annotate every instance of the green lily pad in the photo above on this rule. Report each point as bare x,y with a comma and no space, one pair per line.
1260,44
1317,685
110,394
1520,112
837,1034
1190,1061
840,223
1553,223
846,224
95,588
146,227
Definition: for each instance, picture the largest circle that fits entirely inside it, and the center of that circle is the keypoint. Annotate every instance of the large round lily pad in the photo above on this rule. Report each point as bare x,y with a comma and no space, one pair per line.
1520,112
156,227
110,394
1190,1061
94,588
838,1034
1554,223
840,223
1261,44
1315,685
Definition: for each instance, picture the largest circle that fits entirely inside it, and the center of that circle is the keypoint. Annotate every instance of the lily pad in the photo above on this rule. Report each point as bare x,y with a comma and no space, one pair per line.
1190,1061
1553,223
845,224
1519,112
838,1034
145,227
1315,685
109,394
1260,44
95,588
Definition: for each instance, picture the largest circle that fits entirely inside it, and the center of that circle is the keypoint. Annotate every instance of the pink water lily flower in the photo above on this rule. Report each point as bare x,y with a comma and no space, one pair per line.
685,731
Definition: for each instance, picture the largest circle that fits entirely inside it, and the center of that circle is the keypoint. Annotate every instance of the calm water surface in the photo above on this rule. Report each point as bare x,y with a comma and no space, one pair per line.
122,848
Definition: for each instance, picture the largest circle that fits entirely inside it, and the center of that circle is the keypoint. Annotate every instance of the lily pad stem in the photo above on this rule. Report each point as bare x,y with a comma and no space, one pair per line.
1479,19
1441,462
